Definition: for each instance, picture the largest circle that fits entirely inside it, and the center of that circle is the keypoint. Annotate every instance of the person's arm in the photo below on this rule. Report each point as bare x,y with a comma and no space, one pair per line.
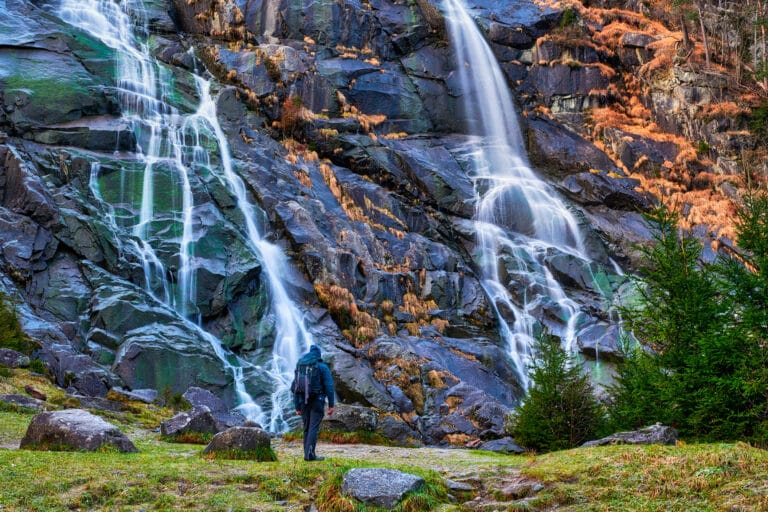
330,392
297,402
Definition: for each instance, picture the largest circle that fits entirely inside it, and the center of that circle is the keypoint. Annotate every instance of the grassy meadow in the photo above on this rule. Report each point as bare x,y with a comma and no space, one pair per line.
171,476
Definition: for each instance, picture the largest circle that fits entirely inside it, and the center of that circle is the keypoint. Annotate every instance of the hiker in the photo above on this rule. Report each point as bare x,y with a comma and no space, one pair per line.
312,384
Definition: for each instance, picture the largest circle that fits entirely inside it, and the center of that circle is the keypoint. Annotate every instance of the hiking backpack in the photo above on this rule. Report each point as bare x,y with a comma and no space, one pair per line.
308,381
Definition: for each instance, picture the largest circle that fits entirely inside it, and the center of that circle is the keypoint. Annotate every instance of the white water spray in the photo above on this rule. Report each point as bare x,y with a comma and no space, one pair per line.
160,132
518,215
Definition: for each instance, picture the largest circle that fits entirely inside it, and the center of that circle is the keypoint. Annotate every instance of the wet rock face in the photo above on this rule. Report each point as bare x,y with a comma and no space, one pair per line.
378,231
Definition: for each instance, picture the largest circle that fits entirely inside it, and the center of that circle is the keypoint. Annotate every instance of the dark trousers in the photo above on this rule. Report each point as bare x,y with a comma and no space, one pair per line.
312,414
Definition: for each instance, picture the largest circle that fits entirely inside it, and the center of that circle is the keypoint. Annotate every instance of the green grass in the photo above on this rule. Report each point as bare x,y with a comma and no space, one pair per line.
175,476
697,477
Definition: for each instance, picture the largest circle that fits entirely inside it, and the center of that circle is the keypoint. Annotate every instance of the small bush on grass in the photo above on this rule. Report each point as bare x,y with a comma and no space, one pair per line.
11,334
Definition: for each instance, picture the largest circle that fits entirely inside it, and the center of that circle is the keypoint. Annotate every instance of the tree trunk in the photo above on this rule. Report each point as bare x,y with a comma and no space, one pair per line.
703,33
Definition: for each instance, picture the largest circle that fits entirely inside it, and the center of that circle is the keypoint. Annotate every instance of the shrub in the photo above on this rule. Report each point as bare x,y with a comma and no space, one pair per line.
11,334
561,410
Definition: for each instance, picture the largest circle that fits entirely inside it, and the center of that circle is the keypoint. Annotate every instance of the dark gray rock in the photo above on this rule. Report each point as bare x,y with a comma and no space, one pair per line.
199,420
562,150
74,430
77,371
351,418
503,445
24,401
455,486
379,487
199,397
601,341
654,434
636,39
398,431
618,193
242,442
562,80
638,153
13,359
93,402
148,396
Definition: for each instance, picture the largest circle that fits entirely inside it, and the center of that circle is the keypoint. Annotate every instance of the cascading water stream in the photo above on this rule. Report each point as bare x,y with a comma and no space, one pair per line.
161,132
518,216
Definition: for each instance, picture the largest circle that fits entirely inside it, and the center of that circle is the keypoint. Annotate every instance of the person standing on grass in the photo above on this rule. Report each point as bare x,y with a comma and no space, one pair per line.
312,385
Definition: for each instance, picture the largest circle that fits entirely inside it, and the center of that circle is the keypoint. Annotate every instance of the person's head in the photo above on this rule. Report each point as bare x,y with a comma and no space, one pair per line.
315,350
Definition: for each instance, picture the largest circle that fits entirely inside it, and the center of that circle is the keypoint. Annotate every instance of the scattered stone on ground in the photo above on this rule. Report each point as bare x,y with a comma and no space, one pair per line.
379,486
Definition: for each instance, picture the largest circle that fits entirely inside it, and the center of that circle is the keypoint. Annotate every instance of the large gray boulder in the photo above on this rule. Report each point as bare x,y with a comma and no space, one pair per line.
351,418
655,434
241,443
195,424
74,430
378,486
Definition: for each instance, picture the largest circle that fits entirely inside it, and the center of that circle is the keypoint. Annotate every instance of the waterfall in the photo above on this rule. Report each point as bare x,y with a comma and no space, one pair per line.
174,141
518,217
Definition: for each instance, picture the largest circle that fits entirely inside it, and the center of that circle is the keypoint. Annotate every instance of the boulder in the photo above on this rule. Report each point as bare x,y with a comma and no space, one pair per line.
351,418
199,397
241,443
654,434
195,423
504,445
378,486
13,359
74,430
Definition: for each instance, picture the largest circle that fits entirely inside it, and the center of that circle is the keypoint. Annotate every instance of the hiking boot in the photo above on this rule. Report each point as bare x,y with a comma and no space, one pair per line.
311,459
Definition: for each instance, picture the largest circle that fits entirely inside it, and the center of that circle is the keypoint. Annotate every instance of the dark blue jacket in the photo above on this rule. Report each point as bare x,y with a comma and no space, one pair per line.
314,356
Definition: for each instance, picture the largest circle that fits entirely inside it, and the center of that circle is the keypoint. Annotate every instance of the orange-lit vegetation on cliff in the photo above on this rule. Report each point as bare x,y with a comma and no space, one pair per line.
722,43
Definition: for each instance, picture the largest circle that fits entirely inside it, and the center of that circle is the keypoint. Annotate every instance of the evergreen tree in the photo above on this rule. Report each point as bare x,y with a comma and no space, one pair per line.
747,274
561,410
701,373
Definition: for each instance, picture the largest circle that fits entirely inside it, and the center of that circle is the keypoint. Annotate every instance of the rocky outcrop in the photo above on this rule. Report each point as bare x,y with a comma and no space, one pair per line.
369,197
74,430
379,487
